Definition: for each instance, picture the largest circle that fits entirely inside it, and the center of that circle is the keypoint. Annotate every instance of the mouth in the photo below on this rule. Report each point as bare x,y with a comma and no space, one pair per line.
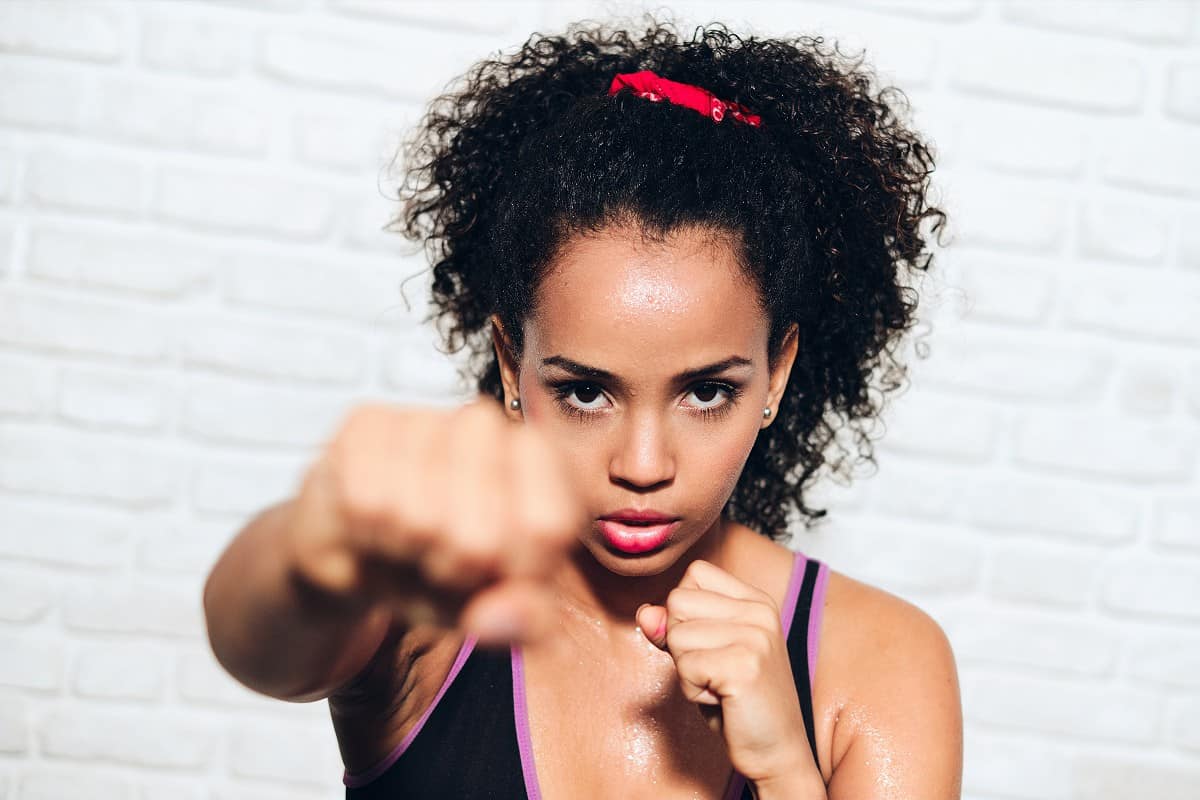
628,536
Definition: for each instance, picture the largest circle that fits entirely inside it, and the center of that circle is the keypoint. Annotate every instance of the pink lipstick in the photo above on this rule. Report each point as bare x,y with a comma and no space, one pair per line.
637,531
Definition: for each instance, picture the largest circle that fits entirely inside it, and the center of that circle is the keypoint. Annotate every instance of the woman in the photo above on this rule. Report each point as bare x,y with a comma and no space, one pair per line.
679,266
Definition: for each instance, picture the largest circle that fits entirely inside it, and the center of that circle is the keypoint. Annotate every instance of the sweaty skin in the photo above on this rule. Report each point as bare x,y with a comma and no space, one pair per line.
887,716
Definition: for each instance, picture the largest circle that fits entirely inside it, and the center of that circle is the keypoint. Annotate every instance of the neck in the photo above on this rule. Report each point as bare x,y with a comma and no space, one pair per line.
590,589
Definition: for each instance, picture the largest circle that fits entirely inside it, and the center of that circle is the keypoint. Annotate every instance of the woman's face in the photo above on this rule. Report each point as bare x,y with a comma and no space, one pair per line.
617,325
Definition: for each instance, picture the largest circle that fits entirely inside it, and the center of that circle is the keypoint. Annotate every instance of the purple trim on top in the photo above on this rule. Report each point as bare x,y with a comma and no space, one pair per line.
799,562
521,715
363,778
814,620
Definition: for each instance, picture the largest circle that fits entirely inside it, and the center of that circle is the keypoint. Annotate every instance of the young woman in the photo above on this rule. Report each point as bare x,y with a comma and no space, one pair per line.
680,269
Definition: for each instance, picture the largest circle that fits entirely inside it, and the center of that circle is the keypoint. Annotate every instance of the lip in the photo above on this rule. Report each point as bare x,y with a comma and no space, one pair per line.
636,538
645,515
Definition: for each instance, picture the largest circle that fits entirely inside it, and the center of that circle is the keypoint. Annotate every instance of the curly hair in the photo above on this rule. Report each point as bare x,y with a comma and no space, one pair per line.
824,201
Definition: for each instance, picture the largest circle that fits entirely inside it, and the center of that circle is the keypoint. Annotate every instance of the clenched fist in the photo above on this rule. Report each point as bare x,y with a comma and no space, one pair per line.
454,517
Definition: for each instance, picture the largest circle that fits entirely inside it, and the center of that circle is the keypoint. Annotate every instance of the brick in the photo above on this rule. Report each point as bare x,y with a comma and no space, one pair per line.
24,597
191,43
1183,91
8,171
244,791
1120,303
349,138
1177,522
202,681
1054,507
1184,726
924,493
361,288
1126,231
1083,710
1170,659
295,352
8,238
1122,19
99,184
1095,443
1111,776
161,266
14,723
1150,586
366,228
152,788
212,199
62,537
1035,642
1157,159
111,397
988,760
1148,388
473,15
31,662
157,738
413,366
184,548
335,60
1018,214
898,561
1188,244
58,781
946,10
93,466
238,488
86,31
1044,574
162,114
1063,76
120,672
245,413
135,607
305,754
997,289
40,98
28,386
1020,366
42,321
1025,140
941,427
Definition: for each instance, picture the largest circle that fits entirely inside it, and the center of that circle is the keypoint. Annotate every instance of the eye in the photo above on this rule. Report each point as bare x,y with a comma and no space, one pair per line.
732,393
587,392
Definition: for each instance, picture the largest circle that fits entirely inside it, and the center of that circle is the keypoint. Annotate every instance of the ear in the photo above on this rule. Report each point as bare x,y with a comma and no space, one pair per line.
779,375
509,369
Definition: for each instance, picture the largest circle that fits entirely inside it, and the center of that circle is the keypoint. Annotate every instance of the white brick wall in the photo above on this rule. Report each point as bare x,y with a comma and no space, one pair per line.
194,286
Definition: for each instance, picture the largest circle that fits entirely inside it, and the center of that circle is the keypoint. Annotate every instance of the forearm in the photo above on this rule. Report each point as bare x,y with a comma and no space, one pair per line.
789,789
275,633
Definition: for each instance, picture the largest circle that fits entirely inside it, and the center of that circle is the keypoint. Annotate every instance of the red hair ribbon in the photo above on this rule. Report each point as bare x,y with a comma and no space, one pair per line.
654,87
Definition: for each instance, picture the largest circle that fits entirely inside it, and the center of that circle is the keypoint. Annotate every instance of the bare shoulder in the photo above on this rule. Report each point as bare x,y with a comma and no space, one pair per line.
373,712
887,677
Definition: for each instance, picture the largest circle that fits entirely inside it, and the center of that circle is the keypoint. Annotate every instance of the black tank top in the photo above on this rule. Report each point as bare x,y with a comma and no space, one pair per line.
473,741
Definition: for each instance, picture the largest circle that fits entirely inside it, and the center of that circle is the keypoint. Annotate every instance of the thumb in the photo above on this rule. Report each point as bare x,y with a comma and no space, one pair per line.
652,621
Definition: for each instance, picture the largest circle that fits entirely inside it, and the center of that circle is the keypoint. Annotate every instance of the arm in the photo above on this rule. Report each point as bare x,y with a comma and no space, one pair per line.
276,633
904,721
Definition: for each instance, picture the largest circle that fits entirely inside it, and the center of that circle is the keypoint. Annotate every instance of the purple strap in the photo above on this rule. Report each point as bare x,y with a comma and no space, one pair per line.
363,778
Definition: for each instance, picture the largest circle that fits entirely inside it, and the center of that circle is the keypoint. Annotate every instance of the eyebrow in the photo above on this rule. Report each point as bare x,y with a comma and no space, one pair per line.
595,373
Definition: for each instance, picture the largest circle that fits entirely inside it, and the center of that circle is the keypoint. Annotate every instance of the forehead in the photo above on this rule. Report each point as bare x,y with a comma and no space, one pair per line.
616,301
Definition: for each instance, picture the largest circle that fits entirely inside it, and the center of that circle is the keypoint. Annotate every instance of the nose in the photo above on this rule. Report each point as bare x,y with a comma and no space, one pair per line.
644,457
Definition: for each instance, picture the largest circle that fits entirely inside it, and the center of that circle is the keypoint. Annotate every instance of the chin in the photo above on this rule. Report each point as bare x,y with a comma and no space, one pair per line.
633,565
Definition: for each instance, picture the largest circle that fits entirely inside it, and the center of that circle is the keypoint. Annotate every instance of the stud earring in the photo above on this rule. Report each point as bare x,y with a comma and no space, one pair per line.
514,404
767,411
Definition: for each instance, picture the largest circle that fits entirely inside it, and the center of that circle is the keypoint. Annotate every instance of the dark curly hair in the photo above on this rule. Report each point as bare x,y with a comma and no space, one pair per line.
824,201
